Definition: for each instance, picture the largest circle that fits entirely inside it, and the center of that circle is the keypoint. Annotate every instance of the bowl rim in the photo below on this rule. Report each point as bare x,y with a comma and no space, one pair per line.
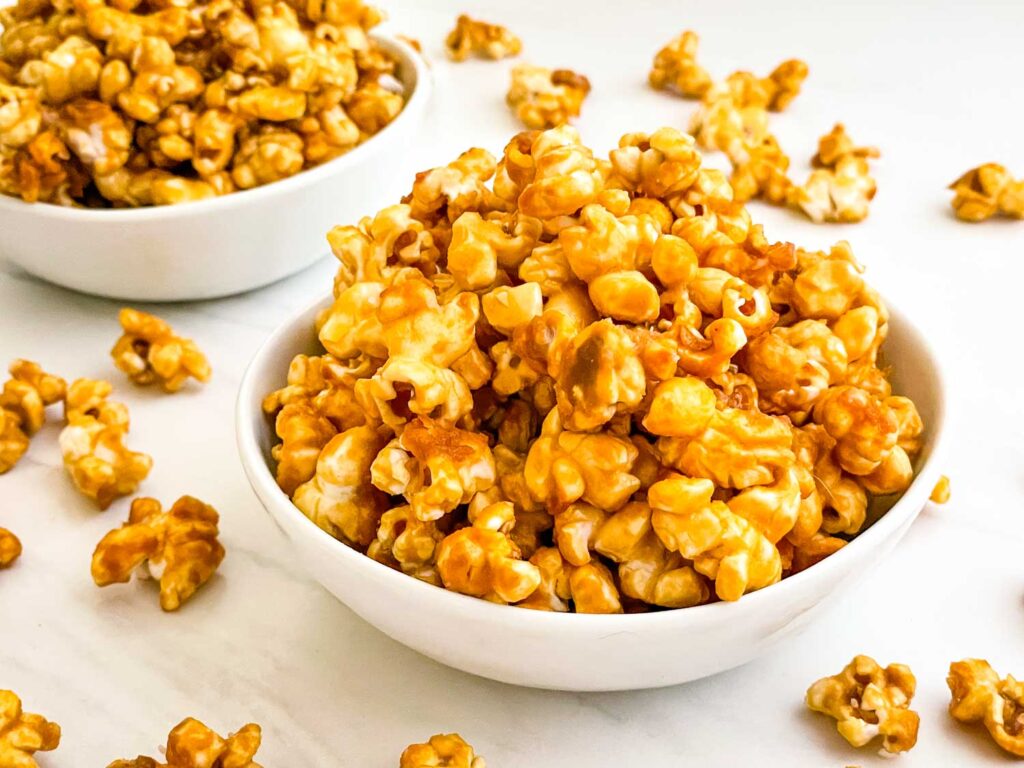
903,511
412,110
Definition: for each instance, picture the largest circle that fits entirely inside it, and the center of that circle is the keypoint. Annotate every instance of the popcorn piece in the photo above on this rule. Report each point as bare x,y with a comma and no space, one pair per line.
940,493
444,749
407,543
482,561
681,407
544,98
22,734
724,546
10,548
565,466
984,191
868,701
339,497
837,144
842,187
865,428
759,170
979,694
149,351
304,432
675,68
28,392
93,447
491,41
178,547
191,744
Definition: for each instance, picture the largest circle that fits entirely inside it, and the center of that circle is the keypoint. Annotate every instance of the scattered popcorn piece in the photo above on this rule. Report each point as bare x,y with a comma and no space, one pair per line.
979,694
940,493
837,144
675,68
868,701
544,98
10,548
191,744
841,187
444,749
149,351
22,734
984,191
13,440
92,444
471,36
178,547
23,402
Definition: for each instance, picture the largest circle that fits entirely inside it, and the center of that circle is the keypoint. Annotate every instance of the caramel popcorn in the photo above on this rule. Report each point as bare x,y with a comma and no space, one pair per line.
23,402
191,744
153,104
149,351
988,190
578,384
544,98
940,493
869,701
178,547
675,68
470,36
445,749
980,695
841,187
10,548
92,444
22,734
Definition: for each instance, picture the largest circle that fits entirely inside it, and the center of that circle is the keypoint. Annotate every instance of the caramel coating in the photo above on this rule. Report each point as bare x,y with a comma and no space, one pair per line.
868,701
23,402
22,734
544,98
191,744
582,384
444,750
10,548
149,103
474,37
178,547
986,191
149,351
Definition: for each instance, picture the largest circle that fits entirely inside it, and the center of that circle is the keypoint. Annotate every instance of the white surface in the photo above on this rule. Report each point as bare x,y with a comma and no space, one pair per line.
222,246
936,88
608,653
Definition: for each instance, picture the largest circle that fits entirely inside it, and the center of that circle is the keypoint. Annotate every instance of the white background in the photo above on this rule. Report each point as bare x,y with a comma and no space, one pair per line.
936,87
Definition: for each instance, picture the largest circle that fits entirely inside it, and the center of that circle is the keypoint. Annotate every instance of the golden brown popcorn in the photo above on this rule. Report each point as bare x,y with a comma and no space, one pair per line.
339,497
543,98
178,547
446,192
709,353
565,466
593,589
680,407
675,68
554,591
842,193
482,561
984,191
869,701
723,545
759,170
303,431
191,744
149,351
444,749
837,144
663,164
407,543
557,177
470,36
979,694
940,493
28,392
10,548
92,444
22,734
866,429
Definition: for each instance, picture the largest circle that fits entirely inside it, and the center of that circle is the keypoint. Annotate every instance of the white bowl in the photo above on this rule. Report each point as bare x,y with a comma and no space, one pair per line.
574,651
228,244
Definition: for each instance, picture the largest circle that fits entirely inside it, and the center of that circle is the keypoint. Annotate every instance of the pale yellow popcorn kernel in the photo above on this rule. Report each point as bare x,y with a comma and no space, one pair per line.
869,701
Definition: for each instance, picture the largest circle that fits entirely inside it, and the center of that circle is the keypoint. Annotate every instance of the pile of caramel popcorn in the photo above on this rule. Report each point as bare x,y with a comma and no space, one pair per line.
573,383
733,117
986,191
138,102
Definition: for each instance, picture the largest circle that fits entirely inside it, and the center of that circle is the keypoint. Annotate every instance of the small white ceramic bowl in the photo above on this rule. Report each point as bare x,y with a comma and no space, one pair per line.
574,651
228,244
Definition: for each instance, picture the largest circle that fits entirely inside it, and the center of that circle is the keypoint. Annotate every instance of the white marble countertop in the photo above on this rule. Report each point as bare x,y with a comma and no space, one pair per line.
938,90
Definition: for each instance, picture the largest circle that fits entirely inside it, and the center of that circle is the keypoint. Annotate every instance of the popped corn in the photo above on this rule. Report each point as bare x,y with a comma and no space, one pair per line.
148,104
543,98
979,694
443,750
191,744
22,734
472,36
591,385
149,351
10,548
940,493
868,701
23,402
177,547
988,190
841,187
